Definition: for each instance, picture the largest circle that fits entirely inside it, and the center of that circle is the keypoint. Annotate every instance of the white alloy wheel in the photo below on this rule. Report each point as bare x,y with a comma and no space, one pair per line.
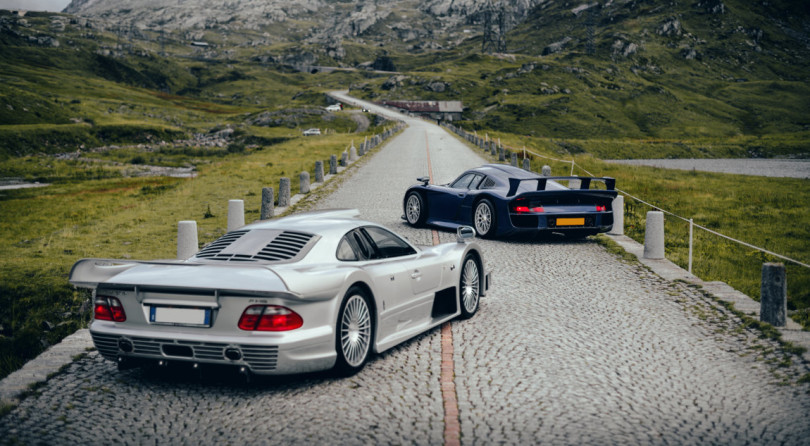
470,287
483,218
355,331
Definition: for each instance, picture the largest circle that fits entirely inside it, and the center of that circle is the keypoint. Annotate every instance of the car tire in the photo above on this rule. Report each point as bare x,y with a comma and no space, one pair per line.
484,220
415,210
354,332
469,286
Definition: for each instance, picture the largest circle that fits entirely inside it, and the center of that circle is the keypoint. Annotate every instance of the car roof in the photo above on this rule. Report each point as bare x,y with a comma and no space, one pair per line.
329,223
504,171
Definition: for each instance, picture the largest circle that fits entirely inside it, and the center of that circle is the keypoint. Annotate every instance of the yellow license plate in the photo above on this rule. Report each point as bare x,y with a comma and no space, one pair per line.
570,222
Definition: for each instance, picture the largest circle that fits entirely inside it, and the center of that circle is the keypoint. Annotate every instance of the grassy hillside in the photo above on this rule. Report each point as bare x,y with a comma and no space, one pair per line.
715,82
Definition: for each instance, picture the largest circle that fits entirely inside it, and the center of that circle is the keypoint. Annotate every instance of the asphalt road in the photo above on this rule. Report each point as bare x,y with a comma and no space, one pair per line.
572,346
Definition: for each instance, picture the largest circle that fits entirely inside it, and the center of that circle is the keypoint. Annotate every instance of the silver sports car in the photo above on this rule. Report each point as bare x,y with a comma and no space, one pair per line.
313,291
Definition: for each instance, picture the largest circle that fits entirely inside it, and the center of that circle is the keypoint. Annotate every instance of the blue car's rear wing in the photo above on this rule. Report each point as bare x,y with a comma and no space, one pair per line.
584,183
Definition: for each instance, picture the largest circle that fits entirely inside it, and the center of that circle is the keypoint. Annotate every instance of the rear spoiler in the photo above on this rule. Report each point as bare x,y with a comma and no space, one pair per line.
168,274
585,183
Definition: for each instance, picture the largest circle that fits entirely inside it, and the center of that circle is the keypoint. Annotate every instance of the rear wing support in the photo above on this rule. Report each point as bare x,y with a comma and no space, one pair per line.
584,183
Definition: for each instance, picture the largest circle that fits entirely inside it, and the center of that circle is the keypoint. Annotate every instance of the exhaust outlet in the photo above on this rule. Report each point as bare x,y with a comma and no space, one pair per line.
232,353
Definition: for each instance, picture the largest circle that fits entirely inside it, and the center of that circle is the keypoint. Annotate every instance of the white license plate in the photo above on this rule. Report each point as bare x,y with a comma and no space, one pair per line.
180,316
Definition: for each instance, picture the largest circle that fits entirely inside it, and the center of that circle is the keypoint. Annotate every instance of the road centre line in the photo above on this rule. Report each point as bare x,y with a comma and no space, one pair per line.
452,424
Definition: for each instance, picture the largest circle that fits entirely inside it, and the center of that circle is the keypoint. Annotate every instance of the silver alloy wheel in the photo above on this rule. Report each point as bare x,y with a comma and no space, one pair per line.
413,209
355,331
483,218
470,285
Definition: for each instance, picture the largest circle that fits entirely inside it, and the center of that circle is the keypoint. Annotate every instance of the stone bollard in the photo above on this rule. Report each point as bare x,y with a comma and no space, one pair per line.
187,244
527,164
618,216
352,153
344,159
493,149
284,192
361,150
501,156
267,203
546,171
303,182
332,165
513,161
319,171
236,214
654,236
773,295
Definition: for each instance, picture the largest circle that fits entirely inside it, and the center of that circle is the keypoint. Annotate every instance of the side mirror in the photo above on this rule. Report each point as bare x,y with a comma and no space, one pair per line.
463,233
424,180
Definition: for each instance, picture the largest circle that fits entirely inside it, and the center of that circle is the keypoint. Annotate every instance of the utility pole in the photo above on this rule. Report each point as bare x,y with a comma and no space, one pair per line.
590,22
494,19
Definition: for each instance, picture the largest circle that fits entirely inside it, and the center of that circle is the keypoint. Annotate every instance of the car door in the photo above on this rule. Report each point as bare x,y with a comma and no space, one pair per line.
445,201
402,273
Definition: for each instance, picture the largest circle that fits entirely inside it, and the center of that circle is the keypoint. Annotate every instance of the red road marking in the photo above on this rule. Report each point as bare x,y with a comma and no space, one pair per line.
452,424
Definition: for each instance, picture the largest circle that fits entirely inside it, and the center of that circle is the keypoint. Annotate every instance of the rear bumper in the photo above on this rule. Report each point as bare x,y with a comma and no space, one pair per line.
591,222
311,351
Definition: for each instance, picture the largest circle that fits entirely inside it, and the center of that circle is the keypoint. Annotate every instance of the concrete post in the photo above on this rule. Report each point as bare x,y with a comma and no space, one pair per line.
514,160
527,164
267,203
654,236
546,171
319,171
773,295
493,149
501,156
332,165
344,159
618,216
236,214
352,153
187,244
284,192
303,182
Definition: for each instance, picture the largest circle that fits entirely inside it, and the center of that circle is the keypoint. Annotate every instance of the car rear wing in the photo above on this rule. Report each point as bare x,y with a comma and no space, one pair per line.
584,183
244,278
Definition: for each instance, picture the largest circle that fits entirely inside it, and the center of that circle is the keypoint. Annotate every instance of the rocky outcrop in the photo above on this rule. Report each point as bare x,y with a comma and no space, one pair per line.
404,20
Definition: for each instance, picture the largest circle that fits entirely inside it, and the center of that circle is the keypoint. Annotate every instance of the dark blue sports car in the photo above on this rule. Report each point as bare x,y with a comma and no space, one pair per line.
501,200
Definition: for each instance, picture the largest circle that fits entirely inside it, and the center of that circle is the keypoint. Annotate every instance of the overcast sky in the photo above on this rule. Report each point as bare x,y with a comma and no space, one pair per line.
35,5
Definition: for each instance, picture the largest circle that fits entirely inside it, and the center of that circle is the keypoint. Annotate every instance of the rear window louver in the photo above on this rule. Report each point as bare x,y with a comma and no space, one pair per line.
219,244
284,246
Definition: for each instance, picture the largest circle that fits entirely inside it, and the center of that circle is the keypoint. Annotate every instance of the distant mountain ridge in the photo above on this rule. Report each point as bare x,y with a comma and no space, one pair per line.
316,19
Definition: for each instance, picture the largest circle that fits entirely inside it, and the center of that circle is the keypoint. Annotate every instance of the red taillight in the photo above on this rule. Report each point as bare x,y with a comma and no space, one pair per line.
601,208
526,209
109,309
269,318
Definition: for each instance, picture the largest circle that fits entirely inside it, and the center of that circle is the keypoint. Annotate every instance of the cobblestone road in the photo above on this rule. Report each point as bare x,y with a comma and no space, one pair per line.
572,346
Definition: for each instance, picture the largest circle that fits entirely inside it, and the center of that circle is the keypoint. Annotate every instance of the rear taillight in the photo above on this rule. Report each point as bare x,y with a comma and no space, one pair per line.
269,318
601,208
527,209
109,309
